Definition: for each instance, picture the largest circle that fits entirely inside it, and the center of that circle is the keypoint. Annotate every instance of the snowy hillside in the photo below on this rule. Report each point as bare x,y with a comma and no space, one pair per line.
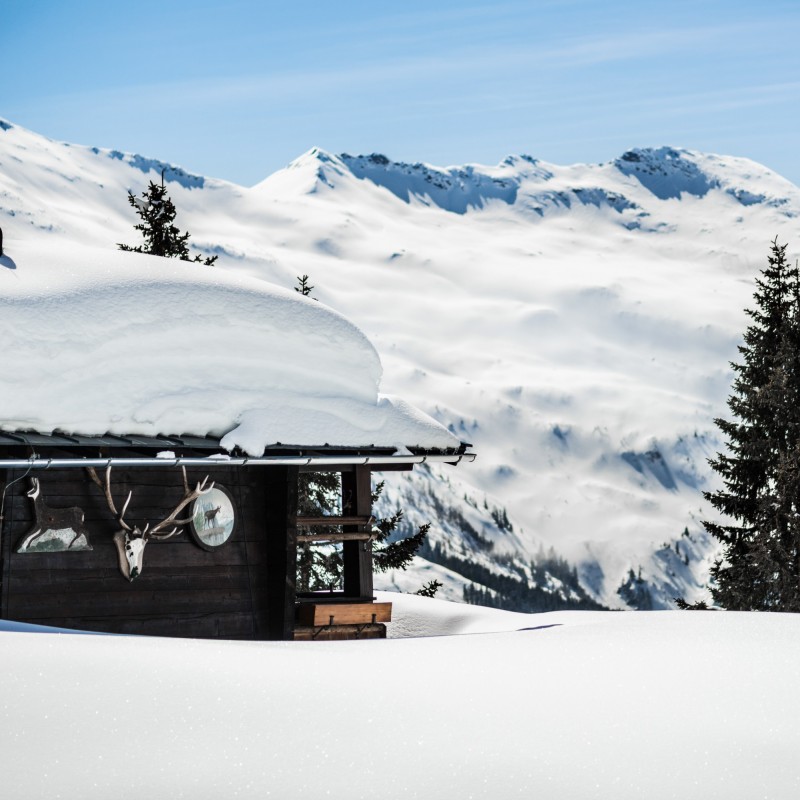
574,324
559,705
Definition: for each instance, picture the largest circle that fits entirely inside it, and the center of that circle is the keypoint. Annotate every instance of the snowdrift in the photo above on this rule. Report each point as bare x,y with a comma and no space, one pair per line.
103,341
561,705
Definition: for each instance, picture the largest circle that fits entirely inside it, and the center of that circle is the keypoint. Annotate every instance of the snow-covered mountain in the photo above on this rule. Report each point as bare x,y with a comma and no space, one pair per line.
573,323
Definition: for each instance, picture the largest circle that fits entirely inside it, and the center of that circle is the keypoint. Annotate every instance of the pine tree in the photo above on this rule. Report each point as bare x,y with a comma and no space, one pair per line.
396,554
760,567
162,237
303,286
429,589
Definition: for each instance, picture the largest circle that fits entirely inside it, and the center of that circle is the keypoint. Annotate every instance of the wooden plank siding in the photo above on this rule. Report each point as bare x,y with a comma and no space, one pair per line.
183,590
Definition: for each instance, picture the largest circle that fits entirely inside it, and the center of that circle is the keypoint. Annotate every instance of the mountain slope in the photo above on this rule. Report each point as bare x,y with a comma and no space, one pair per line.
574,323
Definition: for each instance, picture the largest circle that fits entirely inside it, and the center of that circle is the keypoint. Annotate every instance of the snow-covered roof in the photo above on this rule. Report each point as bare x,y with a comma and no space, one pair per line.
101,341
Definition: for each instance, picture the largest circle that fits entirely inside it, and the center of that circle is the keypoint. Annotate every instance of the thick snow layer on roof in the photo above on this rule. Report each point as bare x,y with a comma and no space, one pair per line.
98,340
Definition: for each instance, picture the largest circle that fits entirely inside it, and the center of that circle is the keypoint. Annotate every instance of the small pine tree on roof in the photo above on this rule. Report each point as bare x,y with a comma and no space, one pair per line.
161,236
303,286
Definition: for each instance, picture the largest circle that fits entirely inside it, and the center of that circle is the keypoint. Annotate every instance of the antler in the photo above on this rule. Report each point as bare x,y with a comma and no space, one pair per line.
188,497
106,489
156,531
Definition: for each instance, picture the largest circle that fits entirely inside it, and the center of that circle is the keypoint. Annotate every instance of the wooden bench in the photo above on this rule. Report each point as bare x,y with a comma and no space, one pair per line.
342,620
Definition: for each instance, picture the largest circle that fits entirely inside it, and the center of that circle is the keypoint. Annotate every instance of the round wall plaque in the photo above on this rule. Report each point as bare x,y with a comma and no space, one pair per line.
213,518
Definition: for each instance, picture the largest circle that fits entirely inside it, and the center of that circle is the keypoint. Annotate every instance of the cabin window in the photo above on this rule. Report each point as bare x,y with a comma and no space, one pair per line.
319,562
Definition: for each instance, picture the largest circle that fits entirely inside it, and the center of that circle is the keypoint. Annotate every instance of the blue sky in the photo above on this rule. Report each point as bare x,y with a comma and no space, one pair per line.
238,89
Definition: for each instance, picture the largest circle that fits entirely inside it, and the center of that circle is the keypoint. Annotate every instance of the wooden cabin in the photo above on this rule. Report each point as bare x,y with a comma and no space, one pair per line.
126,534
136,532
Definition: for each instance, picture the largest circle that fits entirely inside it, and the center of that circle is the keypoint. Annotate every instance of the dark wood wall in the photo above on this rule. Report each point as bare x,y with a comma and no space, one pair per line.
242,590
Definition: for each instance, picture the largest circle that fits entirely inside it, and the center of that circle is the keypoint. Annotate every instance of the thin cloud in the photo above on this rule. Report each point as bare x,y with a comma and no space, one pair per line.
462,64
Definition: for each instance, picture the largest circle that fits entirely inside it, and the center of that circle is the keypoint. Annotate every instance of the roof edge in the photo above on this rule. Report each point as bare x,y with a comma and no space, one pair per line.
36,463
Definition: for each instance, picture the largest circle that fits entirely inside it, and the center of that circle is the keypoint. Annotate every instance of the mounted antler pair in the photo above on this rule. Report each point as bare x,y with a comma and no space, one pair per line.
131,540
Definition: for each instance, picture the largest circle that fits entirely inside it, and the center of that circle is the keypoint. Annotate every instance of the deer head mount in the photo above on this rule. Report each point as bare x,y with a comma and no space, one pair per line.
132,540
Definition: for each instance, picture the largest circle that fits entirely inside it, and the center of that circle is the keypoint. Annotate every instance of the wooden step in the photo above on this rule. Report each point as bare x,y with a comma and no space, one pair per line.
308,633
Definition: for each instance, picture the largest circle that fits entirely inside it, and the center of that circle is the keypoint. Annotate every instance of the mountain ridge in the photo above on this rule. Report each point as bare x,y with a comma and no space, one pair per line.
663,172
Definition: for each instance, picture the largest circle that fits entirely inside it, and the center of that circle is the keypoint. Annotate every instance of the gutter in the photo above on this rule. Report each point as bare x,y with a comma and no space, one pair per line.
224,461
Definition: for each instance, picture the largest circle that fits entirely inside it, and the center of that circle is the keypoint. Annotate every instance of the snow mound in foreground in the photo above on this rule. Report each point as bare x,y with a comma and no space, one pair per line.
563,705
101,341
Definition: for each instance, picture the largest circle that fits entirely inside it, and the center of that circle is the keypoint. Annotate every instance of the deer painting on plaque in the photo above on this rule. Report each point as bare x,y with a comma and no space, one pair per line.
212,518
56,530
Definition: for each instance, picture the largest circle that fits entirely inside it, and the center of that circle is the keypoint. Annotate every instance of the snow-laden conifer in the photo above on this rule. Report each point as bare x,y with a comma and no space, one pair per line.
161,236
760,567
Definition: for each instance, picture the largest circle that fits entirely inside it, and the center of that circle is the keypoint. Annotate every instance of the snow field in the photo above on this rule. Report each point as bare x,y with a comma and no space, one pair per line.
566,704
